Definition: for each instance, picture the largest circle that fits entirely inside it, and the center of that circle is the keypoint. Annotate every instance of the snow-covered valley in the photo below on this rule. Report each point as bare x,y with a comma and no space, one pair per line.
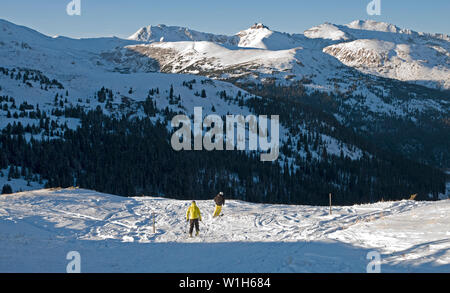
115,234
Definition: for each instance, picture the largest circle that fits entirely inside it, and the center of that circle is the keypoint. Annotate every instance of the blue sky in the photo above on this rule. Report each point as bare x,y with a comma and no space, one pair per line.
122,18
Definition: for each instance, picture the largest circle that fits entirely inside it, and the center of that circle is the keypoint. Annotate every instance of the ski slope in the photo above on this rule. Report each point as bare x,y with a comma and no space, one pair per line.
115,234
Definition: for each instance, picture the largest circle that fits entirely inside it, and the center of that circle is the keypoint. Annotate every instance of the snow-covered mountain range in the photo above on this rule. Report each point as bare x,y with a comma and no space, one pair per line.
351,60
371,47
324,57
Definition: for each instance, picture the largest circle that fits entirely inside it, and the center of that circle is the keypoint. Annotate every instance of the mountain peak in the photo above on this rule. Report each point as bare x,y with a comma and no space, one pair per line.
372,25
259,26
326,31
164,33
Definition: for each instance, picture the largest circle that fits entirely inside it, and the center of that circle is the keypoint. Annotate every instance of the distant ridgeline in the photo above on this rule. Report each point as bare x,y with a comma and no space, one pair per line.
133,156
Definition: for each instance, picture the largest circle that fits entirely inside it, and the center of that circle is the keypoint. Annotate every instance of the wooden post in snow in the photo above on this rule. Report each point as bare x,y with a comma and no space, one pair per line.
330,203
154,227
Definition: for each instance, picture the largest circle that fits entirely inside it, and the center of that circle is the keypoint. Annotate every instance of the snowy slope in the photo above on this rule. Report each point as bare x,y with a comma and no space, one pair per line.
163,33
115,234
326,31
386,50
396,60
371,25
261,37
324,71
208,58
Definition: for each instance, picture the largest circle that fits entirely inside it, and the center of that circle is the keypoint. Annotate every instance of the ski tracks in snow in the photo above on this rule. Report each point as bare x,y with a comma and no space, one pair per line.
131,219
406,232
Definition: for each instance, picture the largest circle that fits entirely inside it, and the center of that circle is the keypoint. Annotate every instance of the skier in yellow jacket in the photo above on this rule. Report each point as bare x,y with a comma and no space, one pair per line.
193,216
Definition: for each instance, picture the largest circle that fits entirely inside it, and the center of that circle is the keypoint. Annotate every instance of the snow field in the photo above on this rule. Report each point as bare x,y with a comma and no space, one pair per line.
115,234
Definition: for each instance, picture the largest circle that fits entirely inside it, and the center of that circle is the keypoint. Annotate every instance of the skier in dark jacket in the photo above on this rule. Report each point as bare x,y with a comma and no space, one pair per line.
220,201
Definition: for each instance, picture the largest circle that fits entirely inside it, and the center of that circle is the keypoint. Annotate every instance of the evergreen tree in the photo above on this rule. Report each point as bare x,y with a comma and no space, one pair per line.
7,189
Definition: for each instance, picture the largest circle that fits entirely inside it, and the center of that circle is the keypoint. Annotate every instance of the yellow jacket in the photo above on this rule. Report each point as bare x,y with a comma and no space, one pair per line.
193,212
